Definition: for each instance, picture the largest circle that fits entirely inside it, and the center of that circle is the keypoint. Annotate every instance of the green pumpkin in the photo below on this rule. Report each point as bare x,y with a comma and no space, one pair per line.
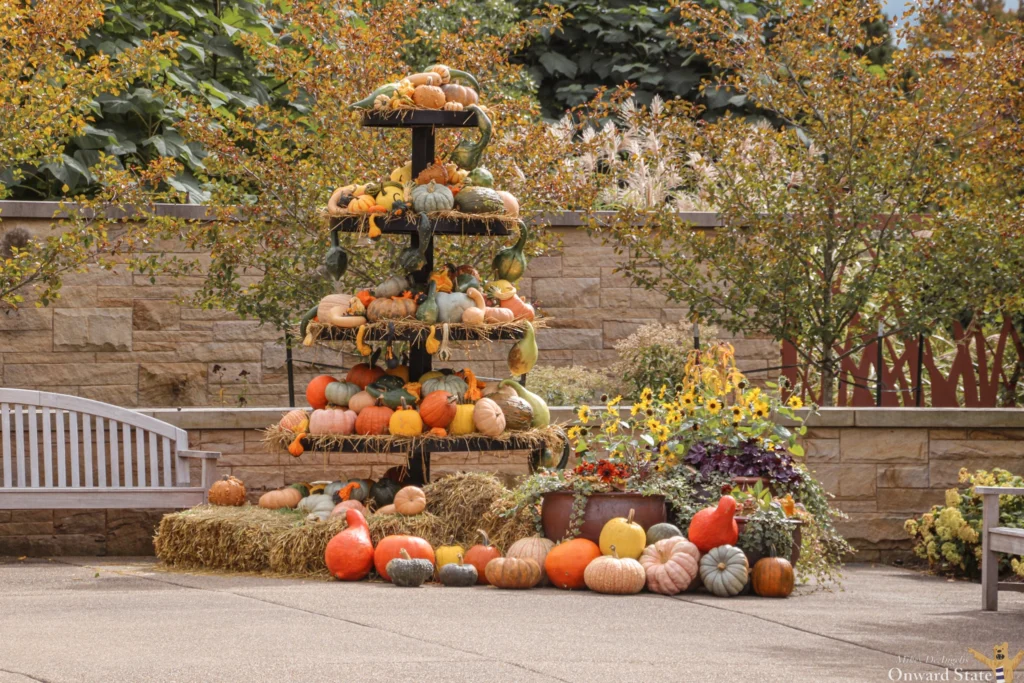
518,413
426,311
361,492
384,384
393,286
480,176
301,488
340,393
475,199
465,281
396,398
408,572
415,258
433,197
661,531
336,262
467,154
383,492
453,384
510,263
458,575
724,570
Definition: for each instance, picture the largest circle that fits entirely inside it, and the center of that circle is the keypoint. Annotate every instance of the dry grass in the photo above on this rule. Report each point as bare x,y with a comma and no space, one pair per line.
506,531
217,537
415,331
461,500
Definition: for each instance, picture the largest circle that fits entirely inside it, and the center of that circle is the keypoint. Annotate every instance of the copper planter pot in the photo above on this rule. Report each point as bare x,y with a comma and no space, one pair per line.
797,540
601,507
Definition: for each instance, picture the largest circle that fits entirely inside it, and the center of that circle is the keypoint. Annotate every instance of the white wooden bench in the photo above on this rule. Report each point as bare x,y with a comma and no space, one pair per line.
995,540
65,452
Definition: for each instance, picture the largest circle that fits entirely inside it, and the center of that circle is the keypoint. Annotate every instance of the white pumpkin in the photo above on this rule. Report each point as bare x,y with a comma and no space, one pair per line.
724,570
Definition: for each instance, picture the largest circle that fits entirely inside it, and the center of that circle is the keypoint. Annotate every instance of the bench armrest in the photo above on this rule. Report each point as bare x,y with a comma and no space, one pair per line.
204,455
209,471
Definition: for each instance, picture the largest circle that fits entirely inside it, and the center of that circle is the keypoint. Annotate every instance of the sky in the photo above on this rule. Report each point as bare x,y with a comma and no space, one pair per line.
893,7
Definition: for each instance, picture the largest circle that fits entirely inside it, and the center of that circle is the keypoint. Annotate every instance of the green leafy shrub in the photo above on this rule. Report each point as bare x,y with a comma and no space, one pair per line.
653,356
571,385
949,536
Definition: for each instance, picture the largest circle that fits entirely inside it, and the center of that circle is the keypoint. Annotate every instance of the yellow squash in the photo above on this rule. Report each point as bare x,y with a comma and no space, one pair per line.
448,554
463,421
625,535
406,422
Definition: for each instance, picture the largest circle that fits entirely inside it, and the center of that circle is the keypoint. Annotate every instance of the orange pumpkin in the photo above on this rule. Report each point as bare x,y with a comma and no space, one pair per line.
512,572
480,554
773,577
410,500
349,555
228,491
567,562
340,508
281,498
390,547
292,419
374,420
362,374
315,391
713,527
438,409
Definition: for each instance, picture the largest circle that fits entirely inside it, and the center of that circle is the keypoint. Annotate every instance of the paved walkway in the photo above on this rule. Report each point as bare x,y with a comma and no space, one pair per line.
117,620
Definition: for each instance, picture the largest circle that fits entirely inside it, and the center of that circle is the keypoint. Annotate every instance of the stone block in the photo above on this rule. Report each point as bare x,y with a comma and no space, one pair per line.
53,374
26,528
883,445
35,341
873,527
590,257
31,515
544,266
155,314
617,330
244,330
92,329
993,435
569,339
614,296
611,277
945,473
822,433
172,384
856,482
910,501
126,395
957,450
26,318
79,521
66,545
568,291
130,532
903,476
821,450
947,434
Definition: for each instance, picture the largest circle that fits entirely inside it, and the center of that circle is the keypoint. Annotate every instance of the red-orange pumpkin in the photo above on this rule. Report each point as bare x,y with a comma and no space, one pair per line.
362,374
349,555
438,409
712,527
374,420
315,391
480,554
389,547
567,562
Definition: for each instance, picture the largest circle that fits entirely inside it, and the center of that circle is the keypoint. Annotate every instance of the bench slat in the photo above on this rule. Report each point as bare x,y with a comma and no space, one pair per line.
140,453
168,475
115,467
33,429
87,448
76,480
101,453
126,445
154,468
5,415
19,429
62,480
99,498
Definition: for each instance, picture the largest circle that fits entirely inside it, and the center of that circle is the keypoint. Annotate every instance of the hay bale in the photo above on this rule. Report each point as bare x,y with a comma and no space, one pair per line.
504,531
217,537
299,551
461,500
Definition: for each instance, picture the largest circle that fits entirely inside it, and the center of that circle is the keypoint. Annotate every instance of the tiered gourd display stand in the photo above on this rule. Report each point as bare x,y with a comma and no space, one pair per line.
423,124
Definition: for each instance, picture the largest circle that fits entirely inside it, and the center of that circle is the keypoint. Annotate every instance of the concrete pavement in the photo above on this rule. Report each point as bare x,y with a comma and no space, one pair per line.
115,619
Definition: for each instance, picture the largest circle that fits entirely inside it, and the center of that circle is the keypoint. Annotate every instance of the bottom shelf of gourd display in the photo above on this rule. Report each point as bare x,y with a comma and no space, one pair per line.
372,411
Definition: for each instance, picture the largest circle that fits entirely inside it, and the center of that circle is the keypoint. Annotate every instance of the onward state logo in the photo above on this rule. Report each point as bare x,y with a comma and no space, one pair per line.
1001,667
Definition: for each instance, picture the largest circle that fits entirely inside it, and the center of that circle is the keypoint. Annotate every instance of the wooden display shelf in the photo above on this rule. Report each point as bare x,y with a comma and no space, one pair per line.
408,225
377,332
419,118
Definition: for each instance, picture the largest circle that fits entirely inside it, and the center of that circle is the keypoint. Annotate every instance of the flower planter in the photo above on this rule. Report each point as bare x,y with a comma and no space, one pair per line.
556,510
749,482
752,558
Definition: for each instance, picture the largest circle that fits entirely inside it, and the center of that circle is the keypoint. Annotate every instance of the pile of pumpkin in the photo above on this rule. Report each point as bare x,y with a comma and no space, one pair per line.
323,500
434,88
439,187
372,401
625,561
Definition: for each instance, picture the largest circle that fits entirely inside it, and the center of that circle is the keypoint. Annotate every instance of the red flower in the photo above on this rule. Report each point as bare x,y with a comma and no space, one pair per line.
606,471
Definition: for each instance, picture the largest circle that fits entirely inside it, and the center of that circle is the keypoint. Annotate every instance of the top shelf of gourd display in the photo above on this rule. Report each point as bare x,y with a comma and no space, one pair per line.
419,118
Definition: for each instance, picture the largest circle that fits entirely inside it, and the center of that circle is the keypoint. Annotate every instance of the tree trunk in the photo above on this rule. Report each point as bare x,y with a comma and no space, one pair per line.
828,377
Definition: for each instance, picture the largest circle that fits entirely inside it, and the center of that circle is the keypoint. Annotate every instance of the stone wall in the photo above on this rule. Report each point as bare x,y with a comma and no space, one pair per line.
883,465
119,338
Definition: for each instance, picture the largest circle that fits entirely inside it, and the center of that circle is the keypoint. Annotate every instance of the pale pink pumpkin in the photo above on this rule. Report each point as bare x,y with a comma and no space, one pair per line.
670,565
340,508
332,421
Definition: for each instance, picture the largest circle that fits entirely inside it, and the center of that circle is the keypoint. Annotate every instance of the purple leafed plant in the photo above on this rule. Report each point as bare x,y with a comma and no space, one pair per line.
746,460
